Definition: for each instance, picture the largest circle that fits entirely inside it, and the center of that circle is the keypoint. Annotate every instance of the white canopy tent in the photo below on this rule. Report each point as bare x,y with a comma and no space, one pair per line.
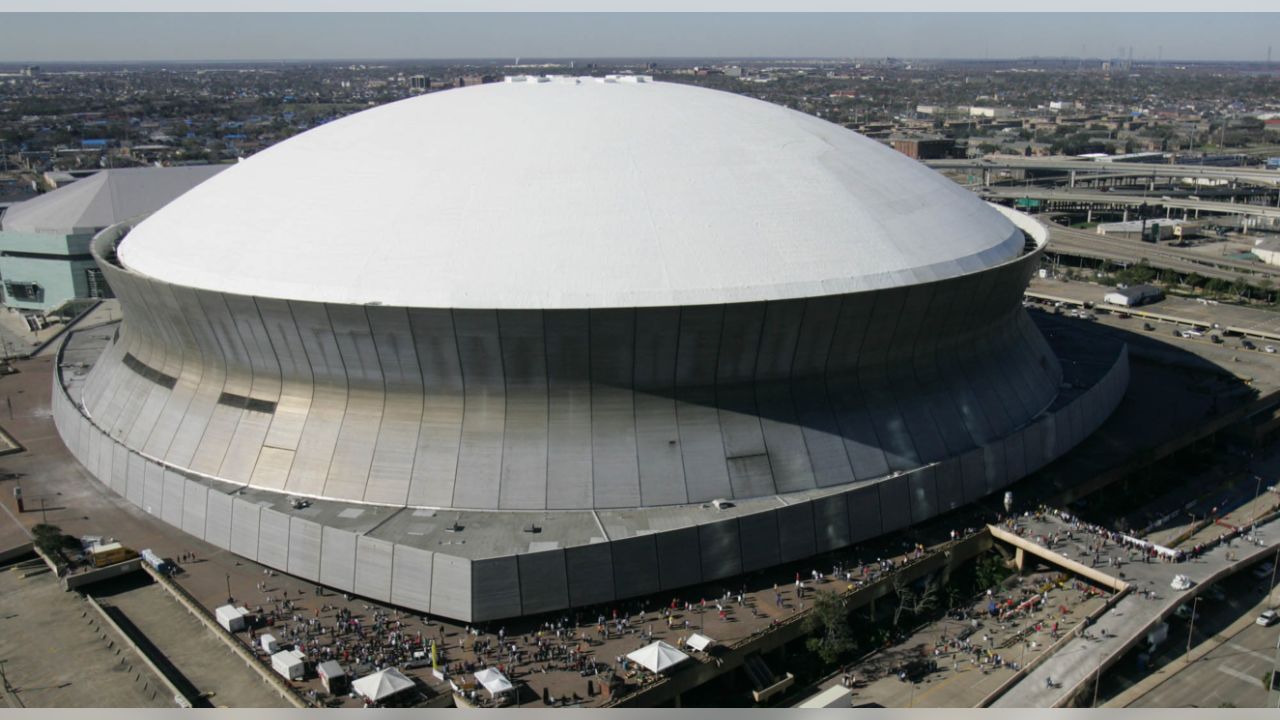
699,642
657,656
494,681
382,684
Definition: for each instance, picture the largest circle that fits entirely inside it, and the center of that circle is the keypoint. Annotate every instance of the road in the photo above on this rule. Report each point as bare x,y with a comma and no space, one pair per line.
1120,198
1082,243
1231,673
1260,176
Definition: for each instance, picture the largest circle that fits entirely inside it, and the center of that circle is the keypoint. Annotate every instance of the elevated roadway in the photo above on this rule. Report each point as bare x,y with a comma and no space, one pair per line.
1082,243
1258,176
1088,197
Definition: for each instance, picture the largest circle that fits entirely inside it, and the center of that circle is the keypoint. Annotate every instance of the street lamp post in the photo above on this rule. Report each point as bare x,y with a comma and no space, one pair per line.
229,598
1191,626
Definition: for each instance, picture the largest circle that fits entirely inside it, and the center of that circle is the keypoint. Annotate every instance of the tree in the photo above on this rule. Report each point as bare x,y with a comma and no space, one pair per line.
829,625
911,602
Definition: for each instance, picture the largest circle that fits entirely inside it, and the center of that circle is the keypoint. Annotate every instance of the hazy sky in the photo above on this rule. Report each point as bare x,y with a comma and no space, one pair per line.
40,37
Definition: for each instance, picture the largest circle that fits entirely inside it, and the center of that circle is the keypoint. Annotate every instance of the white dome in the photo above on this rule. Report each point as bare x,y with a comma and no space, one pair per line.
570,193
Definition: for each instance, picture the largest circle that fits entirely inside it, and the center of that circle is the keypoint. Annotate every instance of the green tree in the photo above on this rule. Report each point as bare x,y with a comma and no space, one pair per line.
829,626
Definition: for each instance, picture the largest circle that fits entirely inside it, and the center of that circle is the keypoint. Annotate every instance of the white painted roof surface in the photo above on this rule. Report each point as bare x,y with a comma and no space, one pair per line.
571,193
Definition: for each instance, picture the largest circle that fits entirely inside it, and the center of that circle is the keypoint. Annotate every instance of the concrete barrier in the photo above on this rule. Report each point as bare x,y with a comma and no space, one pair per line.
287,691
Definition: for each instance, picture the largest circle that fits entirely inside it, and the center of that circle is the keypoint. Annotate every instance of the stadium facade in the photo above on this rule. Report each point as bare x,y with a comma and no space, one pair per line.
567,341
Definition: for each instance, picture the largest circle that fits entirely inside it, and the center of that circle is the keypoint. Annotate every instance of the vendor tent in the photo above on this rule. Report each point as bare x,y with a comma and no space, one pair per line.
382,684
657,656
493,681
698,641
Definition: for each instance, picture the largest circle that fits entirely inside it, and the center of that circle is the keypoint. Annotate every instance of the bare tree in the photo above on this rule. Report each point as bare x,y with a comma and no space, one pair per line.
912,602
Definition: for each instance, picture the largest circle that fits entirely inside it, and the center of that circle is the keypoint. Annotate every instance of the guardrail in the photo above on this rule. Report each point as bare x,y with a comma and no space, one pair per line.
180,698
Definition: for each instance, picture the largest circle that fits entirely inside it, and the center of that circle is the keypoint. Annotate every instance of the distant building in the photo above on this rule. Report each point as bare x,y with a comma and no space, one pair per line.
44,241
1134,295
924,148
420,82
990,112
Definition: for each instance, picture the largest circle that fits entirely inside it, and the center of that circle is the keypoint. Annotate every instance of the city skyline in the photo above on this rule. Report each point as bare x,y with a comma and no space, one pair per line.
271,37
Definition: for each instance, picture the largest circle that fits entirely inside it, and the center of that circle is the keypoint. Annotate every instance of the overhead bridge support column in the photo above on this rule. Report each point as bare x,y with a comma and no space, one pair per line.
1019,559
1073,179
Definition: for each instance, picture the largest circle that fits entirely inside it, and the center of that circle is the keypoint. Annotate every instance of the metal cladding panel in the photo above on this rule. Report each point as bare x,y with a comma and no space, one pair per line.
569,481
973,472
195,420
744,448
950,485
822,435
895,503
758,538
450,584
658,448
1048,440
927,440
295,388
721,552
891,428
779,334
435,463
590,574
739,343
216,439
861,443
262,359
1062,439
135,477
392,467
153,488
544,584
831,522
865,518
338,559
373,568
484,411
412,571
217,528
783,438
957,386
524,452
348,472
495,588
923,487
678,562
816,331
615,468
795,532
194,508
1033,447
635,566
702,445
117,461
1015,460
312,459
273,539
657,433
997,468
304,549
244,528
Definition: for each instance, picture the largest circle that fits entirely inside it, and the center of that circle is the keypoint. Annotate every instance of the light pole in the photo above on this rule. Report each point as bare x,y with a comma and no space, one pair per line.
1191,626
1274,564
1253,517
230,599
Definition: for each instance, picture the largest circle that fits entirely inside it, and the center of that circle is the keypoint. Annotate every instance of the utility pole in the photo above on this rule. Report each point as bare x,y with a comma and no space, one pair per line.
1191,626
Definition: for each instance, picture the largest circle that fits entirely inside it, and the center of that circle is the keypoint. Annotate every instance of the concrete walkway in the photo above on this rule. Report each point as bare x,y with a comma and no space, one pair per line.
1059,678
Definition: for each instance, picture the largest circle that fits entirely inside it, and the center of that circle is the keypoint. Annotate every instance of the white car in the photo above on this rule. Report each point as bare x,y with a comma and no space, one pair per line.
1267,618
1270,348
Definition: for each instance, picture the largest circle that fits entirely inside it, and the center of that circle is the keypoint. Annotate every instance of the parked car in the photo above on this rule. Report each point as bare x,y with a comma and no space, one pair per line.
1248,345
1270,348
1267,618
1148,326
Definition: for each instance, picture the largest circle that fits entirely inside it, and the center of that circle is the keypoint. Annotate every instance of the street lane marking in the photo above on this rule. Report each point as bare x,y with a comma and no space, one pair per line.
1240,648
1246,677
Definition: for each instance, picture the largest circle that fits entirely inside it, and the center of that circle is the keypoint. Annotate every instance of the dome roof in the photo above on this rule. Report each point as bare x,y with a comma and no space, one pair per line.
570,193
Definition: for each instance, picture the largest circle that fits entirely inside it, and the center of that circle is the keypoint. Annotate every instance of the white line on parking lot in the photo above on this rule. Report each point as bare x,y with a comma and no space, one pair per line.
1246,677
1240,648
